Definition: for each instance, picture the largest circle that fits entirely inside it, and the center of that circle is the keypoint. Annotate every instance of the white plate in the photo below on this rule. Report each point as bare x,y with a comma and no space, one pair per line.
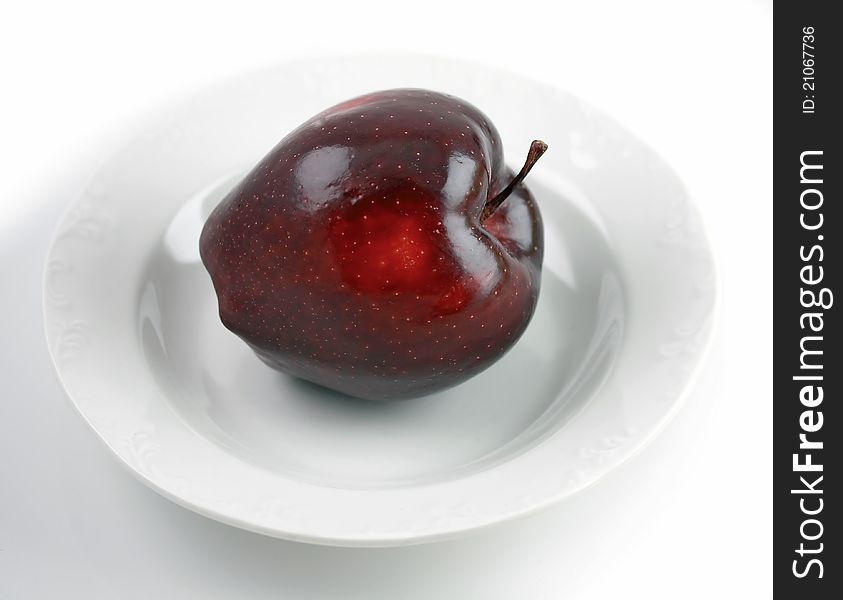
624,318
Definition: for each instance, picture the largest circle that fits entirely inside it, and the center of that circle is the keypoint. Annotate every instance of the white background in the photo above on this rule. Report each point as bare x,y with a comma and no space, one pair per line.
689,517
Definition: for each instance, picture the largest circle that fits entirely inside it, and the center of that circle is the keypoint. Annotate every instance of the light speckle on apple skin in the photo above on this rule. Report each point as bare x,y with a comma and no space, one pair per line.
380,287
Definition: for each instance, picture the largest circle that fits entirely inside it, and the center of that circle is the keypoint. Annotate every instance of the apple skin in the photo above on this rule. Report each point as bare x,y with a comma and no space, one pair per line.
354,254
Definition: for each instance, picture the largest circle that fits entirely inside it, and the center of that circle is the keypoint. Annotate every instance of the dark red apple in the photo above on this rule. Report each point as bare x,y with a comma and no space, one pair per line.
382,249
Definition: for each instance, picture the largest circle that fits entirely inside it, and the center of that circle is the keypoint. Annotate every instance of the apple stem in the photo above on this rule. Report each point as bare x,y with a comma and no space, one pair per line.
537,148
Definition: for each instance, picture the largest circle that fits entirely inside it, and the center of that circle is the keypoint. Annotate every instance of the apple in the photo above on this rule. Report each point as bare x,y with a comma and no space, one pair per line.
382,249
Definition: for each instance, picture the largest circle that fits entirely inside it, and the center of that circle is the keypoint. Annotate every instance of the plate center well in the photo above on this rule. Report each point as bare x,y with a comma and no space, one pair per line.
225,393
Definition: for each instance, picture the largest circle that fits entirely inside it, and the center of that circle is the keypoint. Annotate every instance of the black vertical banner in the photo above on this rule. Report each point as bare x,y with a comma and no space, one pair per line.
808,64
